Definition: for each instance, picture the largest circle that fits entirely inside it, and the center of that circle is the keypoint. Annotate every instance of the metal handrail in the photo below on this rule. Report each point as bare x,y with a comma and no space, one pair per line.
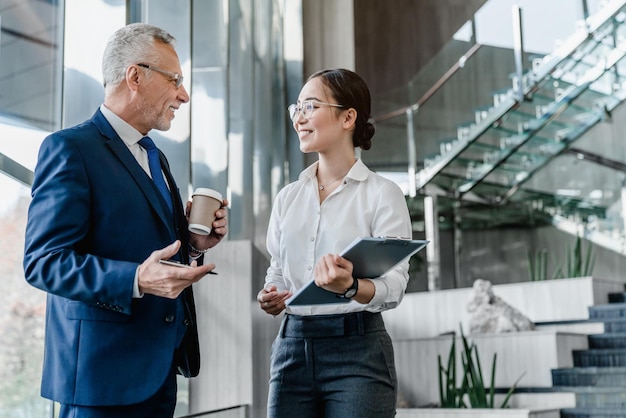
16,170
459,64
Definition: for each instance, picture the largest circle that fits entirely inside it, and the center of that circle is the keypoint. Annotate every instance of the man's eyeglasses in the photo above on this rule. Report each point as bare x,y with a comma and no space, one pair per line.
176,78
306,108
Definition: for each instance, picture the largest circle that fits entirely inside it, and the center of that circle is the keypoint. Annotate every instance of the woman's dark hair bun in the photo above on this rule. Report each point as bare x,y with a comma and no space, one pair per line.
365,138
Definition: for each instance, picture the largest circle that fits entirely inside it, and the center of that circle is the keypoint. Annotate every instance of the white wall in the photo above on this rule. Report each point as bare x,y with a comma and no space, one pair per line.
225,330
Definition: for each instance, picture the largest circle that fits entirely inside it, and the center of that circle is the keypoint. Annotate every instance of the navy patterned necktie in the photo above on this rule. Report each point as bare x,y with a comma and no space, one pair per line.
155,169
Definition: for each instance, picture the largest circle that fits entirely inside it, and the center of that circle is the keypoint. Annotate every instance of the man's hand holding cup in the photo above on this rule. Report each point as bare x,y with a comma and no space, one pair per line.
207,218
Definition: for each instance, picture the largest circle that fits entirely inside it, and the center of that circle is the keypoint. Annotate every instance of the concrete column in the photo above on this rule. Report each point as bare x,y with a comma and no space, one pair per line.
431,228
328,27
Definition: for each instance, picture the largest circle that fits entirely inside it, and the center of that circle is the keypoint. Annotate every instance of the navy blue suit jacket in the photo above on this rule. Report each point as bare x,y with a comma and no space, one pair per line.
95,216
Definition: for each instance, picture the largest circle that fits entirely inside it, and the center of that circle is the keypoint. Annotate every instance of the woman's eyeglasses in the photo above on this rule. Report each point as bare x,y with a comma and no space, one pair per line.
306,108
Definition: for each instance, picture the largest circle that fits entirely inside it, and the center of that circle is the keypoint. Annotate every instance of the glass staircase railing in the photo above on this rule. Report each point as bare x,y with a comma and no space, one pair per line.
537,152
574,94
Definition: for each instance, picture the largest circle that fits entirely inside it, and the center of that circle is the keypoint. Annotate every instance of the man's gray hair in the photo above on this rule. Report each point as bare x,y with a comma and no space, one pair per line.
132,44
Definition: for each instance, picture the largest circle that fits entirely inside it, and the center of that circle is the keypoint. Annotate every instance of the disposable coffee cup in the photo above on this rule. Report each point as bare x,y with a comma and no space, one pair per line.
205,202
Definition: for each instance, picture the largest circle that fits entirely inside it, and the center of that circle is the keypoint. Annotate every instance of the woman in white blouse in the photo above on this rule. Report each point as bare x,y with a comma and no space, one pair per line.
333,360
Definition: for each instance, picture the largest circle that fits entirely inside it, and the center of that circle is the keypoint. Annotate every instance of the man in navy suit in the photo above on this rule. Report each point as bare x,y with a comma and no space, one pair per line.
119,324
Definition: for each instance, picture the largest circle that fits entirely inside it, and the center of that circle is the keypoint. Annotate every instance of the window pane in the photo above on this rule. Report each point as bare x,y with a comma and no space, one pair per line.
30,64
30,106
22,310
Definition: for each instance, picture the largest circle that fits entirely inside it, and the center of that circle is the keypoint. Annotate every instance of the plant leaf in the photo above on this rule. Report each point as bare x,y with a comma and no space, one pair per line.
510,392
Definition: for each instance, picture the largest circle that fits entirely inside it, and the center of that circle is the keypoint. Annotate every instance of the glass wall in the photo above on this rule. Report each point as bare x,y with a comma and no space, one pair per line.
232,136
22,309
30,66
31,33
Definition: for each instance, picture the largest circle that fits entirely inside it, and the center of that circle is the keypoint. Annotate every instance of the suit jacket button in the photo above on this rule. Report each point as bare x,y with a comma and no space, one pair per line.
169,318
186,322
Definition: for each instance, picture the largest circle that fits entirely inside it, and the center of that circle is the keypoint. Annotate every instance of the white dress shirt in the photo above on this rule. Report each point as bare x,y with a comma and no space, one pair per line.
130,136
301,231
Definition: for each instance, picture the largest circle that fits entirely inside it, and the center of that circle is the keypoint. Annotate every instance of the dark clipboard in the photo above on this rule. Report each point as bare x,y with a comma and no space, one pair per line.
371,256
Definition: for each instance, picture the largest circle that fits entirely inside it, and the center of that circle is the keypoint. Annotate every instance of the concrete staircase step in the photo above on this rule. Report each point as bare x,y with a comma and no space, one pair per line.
611,340
593,413
598,379
614,325
609,310
598,397
589,376
609,357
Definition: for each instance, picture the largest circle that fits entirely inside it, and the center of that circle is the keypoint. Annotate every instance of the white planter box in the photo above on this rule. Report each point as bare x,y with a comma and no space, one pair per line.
532,354
476,413
544,405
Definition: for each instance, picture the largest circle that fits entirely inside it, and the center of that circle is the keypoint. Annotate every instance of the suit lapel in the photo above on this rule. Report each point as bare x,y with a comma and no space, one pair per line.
121,151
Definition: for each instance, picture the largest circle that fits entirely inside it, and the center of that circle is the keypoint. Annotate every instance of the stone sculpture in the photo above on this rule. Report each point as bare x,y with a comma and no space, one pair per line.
490,314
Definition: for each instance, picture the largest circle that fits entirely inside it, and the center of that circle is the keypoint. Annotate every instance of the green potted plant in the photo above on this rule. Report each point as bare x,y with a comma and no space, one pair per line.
577,264
473,387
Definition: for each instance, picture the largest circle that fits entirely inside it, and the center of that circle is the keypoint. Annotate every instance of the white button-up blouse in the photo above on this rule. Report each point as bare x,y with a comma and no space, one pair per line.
301,231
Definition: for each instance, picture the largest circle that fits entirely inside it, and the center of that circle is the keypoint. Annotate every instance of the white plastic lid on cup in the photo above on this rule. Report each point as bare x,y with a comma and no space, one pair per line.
208,192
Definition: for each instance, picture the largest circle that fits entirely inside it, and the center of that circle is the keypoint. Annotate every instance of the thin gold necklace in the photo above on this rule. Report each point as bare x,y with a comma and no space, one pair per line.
324,186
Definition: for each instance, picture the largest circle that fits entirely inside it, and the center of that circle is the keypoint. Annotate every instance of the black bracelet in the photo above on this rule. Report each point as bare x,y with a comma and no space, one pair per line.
197,251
